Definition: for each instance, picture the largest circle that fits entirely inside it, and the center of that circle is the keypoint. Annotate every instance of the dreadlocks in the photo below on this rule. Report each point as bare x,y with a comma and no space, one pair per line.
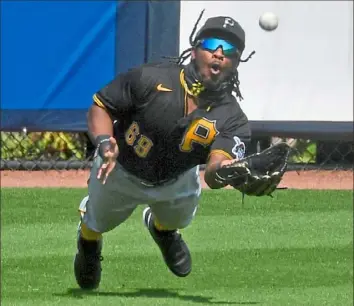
234,82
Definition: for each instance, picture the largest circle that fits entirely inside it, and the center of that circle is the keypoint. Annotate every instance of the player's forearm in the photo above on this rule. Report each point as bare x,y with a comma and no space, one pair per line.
99,122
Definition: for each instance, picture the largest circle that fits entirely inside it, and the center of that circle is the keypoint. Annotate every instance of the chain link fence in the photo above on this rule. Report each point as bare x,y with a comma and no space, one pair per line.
321,155
67,151
45,151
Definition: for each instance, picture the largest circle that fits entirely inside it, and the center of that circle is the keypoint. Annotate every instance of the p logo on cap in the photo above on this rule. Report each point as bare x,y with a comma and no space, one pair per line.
228,21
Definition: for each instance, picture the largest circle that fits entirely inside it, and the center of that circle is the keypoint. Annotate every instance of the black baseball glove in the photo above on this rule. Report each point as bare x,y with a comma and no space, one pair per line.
258,174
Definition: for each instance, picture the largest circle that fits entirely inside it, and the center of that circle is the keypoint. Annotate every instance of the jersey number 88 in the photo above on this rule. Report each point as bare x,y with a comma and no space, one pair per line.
140,143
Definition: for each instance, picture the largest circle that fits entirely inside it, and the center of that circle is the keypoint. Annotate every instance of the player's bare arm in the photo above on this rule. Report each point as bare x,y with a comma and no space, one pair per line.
99,122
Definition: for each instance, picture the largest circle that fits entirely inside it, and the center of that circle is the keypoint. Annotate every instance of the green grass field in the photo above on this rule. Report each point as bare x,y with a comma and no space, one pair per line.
294,249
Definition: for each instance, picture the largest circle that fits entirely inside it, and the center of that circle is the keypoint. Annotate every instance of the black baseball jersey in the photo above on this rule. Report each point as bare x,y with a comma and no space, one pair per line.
157,140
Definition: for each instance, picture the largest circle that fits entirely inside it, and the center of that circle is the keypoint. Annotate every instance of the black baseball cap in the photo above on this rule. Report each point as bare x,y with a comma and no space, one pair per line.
223,27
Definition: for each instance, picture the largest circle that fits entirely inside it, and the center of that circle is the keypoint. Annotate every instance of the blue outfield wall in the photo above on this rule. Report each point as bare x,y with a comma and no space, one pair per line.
56,54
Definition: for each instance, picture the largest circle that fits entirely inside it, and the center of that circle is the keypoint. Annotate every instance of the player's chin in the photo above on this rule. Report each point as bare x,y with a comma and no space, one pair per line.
211,83
216,79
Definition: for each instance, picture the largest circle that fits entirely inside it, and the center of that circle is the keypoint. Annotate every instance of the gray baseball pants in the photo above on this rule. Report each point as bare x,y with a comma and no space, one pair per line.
173,204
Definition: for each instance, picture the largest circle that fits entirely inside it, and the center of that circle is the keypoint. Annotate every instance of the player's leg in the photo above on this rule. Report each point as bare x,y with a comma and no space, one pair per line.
165,218
103,209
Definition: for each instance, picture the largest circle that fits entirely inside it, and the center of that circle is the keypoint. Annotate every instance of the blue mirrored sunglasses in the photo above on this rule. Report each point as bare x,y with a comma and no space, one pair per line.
211,44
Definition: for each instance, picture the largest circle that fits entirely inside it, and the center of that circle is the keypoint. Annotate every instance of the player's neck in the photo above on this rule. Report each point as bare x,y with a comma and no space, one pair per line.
192,104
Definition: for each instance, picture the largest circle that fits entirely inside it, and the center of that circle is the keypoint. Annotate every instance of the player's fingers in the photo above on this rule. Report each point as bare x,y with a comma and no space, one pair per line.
113,144
112,153
101,170
108,155
112,140
108,171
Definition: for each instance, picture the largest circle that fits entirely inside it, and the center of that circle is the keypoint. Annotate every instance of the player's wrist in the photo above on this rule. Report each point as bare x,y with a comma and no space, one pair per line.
102,138
102,144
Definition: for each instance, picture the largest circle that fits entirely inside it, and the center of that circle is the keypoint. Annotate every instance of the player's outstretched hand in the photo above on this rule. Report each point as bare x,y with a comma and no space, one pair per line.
109,154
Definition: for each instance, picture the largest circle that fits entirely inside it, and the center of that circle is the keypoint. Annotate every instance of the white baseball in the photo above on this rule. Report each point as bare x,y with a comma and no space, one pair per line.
268,21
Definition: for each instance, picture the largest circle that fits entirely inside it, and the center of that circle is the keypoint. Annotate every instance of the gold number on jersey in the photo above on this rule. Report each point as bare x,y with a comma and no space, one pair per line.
132,133
142,143
202,131
143,146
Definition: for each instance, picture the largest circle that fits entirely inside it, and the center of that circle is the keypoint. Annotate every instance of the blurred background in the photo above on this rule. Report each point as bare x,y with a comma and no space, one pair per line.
56,54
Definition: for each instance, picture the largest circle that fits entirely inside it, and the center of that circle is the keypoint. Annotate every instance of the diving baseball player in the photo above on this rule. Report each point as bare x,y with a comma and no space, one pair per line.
171,118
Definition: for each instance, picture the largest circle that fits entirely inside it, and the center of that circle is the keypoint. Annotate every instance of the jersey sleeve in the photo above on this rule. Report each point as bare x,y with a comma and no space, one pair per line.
121,94
234,137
